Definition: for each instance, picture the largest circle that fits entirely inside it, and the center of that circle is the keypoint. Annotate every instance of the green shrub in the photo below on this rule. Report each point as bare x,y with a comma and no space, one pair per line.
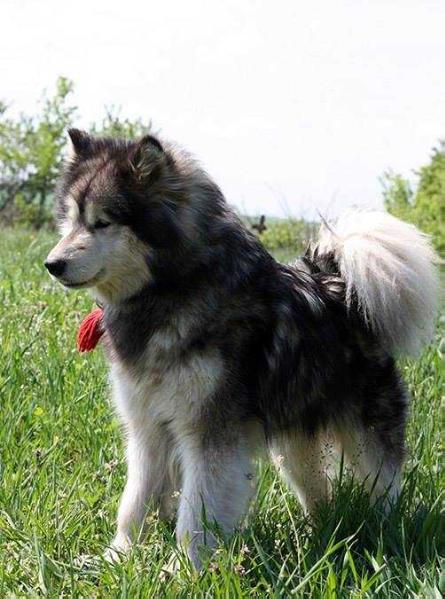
32,214
287,234
425,207
32,150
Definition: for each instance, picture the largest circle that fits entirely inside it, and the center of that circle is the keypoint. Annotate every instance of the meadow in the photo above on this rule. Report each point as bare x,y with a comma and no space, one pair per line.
62,472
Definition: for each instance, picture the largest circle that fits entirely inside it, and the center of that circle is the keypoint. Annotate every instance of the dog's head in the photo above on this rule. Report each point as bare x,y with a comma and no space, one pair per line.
121,207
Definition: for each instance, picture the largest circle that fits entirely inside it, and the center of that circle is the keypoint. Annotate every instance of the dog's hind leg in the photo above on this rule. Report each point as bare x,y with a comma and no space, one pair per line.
375,458
302,461
373,442
148,466
218,482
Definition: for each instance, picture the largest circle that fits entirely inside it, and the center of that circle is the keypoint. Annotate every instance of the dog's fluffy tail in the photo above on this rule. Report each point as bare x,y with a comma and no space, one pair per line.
390,278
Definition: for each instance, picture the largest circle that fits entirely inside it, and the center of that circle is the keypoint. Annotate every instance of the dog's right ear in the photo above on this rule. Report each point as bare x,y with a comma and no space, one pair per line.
81,144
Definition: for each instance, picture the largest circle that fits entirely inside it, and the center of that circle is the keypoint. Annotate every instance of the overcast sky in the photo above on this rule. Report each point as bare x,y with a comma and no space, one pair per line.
289,104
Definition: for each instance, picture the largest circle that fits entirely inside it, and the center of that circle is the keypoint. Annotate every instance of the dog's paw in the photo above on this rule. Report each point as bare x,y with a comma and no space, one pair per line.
118,549
87,562
170,569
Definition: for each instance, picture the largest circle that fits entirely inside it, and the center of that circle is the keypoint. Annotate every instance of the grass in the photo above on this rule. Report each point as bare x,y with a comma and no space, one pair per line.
62,472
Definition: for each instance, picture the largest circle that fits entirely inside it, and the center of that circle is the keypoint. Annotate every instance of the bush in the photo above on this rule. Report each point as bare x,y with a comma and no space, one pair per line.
287,234
31,153
425,207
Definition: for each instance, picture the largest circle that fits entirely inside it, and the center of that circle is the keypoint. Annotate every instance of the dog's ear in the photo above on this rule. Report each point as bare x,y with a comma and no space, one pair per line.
81,144
147,156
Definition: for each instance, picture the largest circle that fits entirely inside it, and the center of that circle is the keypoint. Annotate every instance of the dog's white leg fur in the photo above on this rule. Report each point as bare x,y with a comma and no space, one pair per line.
301,460
379,470
147,479
218,482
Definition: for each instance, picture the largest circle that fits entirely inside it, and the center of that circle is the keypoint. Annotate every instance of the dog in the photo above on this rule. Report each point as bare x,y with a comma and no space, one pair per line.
218,352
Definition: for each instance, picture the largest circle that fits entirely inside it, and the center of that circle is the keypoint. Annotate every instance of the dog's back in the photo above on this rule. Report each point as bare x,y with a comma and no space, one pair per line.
217,350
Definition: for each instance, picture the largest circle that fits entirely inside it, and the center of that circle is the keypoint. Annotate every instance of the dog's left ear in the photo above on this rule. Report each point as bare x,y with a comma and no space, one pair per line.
146,156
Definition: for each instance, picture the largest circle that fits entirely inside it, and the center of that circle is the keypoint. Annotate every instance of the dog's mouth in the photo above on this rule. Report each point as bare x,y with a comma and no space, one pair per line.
87,283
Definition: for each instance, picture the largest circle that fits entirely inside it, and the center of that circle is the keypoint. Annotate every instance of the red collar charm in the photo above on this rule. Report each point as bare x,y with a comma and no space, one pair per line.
90,331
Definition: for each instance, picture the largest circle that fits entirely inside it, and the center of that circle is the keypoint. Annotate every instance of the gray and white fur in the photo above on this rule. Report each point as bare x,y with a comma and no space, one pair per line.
218,353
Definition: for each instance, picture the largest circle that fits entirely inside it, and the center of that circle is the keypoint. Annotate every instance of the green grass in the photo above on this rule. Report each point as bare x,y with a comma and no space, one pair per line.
62,472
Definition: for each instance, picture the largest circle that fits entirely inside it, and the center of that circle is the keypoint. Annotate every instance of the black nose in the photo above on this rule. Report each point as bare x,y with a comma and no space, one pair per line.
56,267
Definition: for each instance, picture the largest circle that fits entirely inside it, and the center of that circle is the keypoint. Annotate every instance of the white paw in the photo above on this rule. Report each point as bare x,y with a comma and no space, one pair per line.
87,562
118,549
170,569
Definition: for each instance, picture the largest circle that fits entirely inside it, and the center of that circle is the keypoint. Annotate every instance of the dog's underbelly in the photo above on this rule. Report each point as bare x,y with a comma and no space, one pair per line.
163,388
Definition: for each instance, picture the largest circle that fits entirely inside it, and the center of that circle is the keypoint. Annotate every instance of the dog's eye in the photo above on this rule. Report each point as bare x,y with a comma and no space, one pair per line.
101,224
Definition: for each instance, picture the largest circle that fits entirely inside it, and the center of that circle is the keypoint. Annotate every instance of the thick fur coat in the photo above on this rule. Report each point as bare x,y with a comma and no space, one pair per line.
218,352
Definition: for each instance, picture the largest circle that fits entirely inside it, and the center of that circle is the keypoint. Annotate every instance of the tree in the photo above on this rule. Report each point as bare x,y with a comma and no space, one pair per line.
397,195
425,207
31,150
429,203
114,125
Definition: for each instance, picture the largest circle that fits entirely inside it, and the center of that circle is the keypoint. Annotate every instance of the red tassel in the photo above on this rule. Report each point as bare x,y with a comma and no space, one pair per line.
90,331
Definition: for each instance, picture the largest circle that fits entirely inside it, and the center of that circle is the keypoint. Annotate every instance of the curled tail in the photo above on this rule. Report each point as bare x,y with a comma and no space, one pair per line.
388,269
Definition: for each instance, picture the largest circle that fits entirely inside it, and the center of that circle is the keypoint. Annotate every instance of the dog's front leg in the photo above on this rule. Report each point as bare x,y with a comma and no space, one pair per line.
148,454
217,485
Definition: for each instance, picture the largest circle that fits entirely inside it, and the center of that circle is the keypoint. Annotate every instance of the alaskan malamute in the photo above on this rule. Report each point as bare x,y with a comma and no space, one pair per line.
218,351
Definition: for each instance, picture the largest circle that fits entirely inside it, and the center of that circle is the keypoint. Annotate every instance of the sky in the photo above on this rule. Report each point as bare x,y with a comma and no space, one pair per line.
294,107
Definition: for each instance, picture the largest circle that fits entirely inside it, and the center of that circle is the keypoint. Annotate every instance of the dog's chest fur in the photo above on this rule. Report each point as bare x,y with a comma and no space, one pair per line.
165,383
